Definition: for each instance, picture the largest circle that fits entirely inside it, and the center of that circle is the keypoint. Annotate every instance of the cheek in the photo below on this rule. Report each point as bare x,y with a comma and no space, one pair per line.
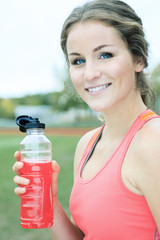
76,78
124,71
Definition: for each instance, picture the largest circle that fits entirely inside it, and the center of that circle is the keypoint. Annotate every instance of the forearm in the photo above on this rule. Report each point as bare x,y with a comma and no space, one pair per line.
63,228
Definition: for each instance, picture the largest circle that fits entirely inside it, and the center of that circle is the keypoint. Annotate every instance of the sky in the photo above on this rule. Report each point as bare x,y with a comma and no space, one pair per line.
31,60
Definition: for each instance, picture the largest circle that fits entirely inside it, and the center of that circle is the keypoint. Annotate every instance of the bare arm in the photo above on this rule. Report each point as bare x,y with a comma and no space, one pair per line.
63,227
148,175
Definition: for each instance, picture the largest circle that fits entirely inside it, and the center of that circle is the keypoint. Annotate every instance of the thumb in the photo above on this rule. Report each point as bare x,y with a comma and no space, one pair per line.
56,169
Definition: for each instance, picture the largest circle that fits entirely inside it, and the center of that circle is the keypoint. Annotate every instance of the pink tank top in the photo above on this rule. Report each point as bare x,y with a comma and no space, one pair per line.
103,207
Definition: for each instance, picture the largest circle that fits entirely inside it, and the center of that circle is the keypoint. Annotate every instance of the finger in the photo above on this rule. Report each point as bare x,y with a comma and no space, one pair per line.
18,191
55,167
17,166
21,180
17,155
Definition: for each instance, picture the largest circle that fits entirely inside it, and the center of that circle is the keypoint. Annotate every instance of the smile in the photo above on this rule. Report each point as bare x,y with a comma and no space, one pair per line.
95,89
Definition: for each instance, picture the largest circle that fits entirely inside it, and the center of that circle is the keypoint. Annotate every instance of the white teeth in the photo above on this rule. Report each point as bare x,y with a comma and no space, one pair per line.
98,88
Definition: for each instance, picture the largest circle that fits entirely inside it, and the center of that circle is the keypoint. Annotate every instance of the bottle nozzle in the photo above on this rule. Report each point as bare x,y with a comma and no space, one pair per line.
24,122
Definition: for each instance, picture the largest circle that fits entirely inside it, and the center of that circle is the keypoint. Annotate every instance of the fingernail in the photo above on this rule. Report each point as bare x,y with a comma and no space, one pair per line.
26,181
20,164
23,190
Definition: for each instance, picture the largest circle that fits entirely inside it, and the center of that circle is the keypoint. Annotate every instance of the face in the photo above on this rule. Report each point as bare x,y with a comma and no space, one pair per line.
102,69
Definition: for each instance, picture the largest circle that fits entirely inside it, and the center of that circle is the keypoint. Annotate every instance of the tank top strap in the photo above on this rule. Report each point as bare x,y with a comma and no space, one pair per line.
147,115
144,117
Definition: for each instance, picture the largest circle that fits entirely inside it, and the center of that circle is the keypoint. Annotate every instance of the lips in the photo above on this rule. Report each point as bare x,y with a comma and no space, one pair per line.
98,88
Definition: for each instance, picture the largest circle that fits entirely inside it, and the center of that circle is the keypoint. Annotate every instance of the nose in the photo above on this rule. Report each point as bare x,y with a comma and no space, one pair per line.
91,72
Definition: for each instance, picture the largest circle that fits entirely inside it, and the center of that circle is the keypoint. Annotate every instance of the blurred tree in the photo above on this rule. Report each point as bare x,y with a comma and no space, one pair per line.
155,76
6,108
68,97
155,81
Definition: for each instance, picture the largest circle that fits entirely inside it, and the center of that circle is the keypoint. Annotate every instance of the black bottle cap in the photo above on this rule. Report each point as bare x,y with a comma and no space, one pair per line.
24,122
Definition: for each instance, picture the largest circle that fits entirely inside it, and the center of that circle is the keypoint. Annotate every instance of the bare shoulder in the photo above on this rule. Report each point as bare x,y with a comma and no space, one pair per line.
81,146
148,139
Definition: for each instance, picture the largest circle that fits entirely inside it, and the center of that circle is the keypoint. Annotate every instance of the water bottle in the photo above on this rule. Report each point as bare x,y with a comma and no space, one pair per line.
36,154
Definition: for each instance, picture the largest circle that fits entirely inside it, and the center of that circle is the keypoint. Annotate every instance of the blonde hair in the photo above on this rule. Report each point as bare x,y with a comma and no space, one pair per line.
129,26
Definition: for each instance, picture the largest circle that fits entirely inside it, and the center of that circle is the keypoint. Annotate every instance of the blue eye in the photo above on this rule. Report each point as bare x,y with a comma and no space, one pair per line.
78,61
106,55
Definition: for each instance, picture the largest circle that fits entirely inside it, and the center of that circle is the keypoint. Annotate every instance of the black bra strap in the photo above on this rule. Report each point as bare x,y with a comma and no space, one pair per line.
92,149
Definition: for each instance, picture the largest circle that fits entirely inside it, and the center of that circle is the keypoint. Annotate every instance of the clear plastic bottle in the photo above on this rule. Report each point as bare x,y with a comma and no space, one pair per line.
36,151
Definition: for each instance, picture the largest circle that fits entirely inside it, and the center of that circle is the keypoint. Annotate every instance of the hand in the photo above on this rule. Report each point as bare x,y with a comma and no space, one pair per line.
18,179
56,169
23,181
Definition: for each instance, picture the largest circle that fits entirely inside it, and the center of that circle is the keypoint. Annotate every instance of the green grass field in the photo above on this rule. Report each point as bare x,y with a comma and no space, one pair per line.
63,153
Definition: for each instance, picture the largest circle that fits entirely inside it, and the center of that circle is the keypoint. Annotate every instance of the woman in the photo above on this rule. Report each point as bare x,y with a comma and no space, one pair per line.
116,191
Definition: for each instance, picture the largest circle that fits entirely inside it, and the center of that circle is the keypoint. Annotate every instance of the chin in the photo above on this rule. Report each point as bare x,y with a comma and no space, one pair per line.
100,109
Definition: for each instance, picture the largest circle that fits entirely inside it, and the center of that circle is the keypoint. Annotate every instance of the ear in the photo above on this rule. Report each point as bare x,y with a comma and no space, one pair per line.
139,64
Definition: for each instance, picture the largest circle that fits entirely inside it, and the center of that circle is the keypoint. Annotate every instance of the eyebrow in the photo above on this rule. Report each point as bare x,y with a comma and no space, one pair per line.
100,47
94,50
74,53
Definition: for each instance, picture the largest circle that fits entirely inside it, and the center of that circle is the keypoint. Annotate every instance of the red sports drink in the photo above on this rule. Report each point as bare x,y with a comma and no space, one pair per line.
36,152
36,203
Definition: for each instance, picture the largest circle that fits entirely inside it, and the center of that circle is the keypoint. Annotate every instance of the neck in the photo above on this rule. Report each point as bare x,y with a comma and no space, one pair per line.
120,119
